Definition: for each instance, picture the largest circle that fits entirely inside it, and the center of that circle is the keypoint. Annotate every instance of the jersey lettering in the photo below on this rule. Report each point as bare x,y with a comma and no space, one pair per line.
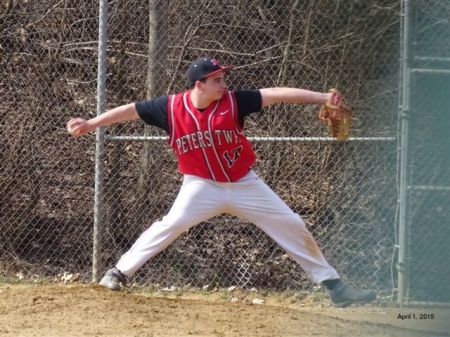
202,140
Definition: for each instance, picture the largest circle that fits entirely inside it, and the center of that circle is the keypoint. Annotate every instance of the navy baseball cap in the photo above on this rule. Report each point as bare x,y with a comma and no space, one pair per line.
203,67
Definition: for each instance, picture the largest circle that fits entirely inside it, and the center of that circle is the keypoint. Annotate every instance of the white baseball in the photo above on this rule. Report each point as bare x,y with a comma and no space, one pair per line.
73,131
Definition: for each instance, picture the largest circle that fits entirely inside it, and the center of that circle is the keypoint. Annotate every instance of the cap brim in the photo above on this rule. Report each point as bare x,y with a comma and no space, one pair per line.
222,68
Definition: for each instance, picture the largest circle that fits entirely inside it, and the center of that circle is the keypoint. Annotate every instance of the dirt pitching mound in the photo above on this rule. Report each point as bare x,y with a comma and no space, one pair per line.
87,310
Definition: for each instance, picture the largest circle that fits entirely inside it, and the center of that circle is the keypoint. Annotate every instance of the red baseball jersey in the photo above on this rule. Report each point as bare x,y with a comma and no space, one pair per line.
209,143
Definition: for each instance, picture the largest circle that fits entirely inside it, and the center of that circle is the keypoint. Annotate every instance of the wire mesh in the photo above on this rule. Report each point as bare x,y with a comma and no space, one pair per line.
48,72
344,191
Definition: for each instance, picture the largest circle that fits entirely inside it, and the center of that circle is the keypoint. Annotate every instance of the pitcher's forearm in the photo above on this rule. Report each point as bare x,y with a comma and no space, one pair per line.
122,113
292,95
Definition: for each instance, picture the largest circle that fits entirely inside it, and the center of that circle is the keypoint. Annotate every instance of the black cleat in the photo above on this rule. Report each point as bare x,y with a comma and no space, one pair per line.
343,295
113,279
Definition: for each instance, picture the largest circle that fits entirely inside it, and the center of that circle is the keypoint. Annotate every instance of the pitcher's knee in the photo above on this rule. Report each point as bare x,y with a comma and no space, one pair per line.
284,219
294,220
175,224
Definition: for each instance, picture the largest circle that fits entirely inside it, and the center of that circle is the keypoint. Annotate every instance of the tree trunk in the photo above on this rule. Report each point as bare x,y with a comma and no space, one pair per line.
155,72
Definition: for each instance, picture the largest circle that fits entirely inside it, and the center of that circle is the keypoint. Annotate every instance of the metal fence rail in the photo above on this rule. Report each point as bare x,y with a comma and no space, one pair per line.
50,55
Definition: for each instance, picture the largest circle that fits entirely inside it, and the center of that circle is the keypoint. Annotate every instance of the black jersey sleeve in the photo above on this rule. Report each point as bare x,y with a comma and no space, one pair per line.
154,112
248,101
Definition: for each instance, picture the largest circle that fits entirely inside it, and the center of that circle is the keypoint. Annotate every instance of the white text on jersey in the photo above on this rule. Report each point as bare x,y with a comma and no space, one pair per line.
199,139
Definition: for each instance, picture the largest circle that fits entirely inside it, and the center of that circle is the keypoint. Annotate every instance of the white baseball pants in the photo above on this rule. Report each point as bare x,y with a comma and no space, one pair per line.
249,198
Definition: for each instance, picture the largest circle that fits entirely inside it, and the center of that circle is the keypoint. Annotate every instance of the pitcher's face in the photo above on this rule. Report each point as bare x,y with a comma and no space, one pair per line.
214,87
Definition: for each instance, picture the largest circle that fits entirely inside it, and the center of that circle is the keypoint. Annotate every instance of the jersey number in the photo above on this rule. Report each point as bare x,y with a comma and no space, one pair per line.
236,153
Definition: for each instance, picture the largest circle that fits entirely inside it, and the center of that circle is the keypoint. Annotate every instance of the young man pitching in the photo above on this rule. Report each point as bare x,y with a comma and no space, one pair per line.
205,128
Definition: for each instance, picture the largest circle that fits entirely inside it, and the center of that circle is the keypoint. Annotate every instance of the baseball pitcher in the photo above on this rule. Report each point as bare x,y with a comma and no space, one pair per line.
205,125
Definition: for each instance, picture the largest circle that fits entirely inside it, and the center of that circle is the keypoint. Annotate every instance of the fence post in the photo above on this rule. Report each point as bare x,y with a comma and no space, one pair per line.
99,142
403,235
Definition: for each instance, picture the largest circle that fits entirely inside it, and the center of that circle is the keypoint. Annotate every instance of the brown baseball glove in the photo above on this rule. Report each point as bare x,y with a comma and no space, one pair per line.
336,114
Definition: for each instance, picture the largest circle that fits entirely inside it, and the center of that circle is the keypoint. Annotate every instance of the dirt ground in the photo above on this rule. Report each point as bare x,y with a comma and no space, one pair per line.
88,310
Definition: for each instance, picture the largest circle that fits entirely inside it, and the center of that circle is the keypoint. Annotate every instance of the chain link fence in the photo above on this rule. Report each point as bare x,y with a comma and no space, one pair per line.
48,72
345,192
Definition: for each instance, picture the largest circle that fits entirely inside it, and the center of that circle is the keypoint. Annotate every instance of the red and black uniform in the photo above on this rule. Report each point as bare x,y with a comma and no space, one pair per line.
216,159
210,144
